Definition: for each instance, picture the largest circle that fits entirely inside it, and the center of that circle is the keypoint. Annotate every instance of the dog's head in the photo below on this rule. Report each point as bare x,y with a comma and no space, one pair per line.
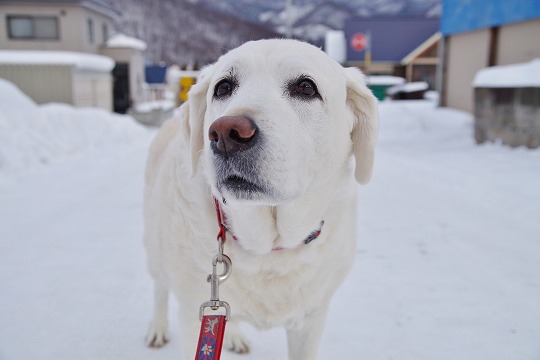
272,118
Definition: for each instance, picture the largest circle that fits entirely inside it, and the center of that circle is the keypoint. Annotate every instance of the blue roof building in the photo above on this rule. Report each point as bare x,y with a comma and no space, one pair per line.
483,33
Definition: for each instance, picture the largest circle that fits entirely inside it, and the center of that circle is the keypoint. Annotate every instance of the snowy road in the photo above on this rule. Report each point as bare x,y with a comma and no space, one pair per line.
448,263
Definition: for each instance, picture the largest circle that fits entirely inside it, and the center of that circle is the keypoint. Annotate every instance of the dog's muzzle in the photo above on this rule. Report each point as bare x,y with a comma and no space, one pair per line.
233,141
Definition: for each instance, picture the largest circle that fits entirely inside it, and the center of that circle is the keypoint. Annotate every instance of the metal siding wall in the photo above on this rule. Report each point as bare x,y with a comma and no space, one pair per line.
93,90
466,15
467,54
519,43
82,91
104,93
44,84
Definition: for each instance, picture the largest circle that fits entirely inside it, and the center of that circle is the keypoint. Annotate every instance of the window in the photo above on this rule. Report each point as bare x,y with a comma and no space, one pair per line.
33,28
90,28
46,28
105,33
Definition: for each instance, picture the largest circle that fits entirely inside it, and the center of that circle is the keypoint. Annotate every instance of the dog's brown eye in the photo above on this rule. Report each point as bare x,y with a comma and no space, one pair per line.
303,88
307,88
223,88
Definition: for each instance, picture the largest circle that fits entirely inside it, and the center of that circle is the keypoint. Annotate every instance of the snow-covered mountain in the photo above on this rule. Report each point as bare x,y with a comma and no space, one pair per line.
310,19
198,31
181,32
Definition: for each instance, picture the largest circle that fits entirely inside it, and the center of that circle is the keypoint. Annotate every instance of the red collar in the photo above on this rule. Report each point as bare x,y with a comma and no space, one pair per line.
223,229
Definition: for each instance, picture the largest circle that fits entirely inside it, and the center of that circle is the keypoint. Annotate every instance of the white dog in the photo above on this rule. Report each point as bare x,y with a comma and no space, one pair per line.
270,130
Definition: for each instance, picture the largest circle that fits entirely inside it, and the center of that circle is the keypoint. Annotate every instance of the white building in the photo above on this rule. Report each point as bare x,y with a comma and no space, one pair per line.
71,38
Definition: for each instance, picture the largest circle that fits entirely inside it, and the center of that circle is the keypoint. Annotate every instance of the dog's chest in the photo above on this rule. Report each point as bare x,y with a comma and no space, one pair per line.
269,299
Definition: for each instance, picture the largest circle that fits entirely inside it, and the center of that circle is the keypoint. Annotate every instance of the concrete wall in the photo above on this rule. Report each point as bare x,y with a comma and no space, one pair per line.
509,115
72,23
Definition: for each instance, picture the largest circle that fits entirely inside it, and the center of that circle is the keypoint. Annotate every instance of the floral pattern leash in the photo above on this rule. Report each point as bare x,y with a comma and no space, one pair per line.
213,326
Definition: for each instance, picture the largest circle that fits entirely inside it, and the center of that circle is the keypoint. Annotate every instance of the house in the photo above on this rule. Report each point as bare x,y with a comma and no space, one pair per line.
480,34
63,25
71,37
403,47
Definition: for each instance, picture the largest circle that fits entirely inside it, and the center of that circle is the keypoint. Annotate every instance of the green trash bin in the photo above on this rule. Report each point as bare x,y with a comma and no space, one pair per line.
379,83
379,91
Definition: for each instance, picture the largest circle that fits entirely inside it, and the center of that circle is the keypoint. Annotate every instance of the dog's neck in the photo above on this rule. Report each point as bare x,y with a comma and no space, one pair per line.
261,229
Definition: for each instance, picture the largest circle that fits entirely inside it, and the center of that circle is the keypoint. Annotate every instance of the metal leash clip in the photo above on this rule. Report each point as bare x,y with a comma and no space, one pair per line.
215,280
213,326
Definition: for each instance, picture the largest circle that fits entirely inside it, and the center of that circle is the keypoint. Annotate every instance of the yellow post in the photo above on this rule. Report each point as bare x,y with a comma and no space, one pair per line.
185,85
367,58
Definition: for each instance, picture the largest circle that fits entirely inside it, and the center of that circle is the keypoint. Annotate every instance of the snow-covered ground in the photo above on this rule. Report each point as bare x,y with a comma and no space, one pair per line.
448,262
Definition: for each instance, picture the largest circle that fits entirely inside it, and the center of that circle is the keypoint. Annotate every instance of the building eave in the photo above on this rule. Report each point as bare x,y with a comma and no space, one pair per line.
92,5
432,40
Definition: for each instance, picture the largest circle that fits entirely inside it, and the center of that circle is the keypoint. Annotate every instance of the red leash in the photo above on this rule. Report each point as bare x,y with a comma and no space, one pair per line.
213,326
221,222
211,337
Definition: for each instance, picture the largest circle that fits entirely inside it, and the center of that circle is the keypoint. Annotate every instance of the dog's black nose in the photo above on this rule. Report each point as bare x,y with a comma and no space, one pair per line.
230,134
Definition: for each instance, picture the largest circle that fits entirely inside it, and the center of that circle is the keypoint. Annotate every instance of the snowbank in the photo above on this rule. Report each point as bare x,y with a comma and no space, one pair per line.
420,126
13,100
150,106
80,61
509,76
32,134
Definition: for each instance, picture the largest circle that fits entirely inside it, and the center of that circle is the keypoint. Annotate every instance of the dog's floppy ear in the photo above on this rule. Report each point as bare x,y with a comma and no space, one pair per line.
363,104
192,112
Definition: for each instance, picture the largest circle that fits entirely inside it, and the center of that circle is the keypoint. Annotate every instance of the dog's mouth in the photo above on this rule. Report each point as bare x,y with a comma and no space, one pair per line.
241,187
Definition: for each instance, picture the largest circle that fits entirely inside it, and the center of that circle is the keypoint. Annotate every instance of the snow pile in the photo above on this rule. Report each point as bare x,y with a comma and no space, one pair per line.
32,134
13,100
509,76
81,61
420,123
149,106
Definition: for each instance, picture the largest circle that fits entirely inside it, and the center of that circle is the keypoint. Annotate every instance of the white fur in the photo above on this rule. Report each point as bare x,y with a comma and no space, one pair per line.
306,159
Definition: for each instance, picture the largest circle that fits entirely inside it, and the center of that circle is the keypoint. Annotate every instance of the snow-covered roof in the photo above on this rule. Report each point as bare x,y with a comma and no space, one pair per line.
80,61
509,76
124,41
408,87
384,80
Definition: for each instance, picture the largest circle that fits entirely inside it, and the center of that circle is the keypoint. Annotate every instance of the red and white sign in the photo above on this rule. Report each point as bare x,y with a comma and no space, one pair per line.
359,42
